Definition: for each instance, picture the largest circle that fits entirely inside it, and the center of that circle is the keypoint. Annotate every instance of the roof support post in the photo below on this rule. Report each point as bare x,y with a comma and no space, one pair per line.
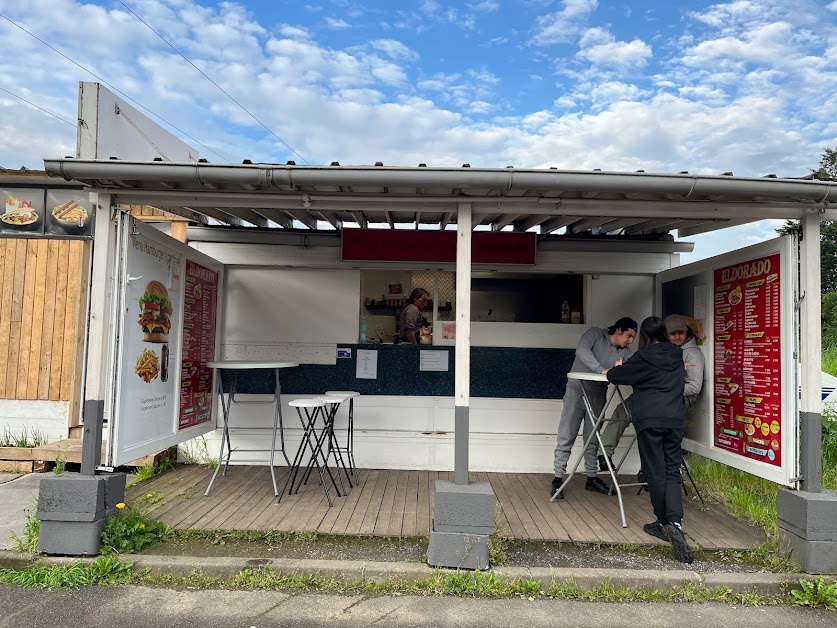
100,333
811,353
462,362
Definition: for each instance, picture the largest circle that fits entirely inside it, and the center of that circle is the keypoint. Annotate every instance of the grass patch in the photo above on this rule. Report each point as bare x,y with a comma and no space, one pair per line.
149,471
471,584
196,451
829,360
23,438
29,541
102,571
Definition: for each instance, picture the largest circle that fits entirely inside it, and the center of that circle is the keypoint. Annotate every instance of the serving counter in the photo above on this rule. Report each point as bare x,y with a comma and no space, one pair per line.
498,372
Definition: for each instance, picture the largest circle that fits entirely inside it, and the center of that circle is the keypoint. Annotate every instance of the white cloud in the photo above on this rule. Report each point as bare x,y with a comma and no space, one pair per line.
394,49
486,6
616,54
562,26
336,23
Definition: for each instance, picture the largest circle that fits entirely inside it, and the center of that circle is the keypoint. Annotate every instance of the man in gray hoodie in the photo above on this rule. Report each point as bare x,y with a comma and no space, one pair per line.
598,350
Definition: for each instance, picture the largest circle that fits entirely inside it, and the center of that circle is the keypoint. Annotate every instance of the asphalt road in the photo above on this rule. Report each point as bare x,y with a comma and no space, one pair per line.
131,606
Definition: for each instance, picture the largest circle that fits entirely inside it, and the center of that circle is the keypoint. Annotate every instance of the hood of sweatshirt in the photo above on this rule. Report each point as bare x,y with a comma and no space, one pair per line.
662,355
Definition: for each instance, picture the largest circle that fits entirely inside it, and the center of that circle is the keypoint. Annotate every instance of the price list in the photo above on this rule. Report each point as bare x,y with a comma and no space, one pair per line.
200,301
748,359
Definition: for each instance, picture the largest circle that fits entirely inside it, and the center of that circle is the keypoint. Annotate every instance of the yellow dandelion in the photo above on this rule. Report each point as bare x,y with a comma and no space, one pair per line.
120,505
150,495
142,526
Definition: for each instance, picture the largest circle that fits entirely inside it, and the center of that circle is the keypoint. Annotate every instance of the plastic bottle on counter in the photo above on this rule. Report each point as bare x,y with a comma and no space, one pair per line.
565,312
363,331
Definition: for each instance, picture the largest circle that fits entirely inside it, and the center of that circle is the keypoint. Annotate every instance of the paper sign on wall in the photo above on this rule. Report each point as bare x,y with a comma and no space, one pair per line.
433,361
367,364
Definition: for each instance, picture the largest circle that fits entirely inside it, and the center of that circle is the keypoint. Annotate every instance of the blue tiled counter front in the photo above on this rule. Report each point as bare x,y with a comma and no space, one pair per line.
510,373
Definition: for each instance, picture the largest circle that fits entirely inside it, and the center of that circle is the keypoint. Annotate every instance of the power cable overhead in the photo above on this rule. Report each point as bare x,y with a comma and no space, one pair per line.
243,108
114,88
54,115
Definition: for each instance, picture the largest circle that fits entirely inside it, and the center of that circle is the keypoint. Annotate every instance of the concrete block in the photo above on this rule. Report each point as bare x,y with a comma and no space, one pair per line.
587,579
464,508
773,584
396,573
114,490
71,538
458,550
71,498
814,557
810,515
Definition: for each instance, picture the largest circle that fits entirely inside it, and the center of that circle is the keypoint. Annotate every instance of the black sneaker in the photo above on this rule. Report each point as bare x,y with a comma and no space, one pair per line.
682,551
603,463
597,486
656,529
640,477
556,483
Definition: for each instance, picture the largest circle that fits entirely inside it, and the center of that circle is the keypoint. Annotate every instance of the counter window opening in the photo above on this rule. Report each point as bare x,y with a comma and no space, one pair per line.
526,298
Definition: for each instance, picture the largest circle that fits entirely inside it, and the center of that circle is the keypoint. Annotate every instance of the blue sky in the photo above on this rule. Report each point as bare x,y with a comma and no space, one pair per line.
745,86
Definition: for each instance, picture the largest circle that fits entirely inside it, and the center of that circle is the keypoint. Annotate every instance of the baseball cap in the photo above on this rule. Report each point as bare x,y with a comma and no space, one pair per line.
675,322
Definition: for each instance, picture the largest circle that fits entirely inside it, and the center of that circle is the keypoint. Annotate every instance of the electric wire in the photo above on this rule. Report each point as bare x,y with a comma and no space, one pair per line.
114,88
54,115
243,108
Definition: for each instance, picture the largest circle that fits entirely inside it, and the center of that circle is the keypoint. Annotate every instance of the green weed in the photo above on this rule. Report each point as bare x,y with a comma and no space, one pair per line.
816,593
24,438
149,471
829,360
60,465
29,541
196,451
104,570
130,531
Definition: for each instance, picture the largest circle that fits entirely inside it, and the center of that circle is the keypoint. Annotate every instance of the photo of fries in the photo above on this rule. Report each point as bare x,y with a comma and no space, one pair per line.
148,366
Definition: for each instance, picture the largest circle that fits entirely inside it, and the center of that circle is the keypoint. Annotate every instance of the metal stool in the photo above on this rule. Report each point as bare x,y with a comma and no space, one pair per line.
350,433
308,410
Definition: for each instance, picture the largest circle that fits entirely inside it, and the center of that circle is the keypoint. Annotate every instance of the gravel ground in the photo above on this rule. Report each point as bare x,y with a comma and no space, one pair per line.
517,553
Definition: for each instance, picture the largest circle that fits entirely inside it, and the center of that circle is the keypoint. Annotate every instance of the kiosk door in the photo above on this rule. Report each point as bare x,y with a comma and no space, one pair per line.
747,413
168,323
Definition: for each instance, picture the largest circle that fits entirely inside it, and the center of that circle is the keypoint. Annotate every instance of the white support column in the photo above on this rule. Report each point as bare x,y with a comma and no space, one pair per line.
810,407
462,381
101,332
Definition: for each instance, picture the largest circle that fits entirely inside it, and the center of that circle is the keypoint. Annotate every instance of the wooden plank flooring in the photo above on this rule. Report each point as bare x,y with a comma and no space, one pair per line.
394,503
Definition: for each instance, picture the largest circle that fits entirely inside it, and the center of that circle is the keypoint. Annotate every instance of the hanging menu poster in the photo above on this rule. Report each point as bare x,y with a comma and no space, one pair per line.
748,359
200,300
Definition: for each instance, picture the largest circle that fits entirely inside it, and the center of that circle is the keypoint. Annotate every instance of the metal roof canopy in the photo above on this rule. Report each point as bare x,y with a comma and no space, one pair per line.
585,202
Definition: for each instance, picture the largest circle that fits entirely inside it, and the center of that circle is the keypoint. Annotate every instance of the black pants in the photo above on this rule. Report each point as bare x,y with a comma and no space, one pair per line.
661,457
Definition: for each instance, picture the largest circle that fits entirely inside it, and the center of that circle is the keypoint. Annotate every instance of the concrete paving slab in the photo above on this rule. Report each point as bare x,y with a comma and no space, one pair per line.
18,498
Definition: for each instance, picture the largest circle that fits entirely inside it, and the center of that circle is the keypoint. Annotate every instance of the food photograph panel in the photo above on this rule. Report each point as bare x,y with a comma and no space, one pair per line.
69,213
22,211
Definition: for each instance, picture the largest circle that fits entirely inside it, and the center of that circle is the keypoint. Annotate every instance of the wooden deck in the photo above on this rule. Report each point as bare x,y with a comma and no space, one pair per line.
397,503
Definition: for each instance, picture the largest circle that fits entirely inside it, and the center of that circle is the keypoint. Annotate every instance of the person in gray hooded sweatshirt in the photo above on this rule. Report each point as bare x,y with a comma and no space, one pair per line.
657,374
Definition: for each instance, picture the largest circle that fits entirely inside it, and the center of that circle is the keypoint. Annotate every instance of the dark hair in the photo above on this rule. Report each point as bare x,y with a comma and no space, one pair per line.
652,331
418,292
625,323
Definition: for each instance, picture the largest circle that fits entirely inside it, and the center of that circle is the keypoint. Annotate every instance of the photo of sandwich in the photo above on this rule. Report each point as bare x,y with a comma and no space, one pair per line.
70,213
155,313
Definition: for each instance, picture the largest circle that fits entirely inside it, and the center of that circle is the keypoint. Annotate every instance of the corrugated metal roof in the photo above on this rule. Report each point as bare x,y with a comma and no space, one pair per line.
580,202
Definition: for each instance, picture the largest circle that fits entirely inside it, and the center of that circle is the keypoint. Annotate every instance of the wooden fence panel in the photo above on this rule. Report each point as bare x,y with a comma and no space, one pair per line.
43,303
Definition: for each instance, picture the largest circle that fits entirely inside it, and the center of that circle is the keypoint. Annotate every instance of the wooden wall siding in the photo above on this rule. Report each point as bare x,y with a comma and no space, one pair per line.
43,288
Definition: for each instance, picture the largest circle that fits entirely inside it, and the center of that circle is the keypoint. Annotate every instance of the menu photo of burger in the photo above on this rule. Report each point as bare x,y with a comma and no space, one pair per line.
155,313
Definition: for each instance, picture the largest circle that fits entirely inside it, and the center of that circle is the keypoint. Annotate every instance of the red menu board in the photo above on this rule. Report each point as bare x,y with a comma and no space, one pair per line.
748,360
200,301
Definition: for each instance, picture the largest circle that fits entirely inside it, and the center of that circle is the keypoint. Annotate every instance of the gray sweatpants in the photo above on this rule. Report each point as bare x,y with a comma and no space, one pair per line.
616,426
571,419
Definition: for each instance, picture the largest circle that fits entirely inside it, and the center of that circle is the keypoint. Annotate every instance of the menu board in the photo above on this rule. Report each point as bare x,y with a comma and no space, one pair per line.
69,212
199,305
748,359
34,212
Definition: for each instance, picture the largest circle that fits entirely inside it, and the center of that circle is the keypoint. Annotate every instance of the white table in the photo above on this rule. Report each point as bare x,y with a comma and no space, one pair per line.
596,421
237,366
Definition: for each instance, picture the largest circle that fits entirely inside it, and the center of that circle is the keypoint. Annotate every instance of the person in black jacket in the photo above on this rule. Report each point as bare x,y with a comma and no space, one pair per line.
657,375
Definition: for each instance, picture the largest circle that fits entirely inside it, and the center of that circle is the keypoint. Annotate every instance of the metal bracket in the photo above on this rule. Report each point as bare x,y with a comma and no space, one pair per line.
798,303
102,467
801,478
